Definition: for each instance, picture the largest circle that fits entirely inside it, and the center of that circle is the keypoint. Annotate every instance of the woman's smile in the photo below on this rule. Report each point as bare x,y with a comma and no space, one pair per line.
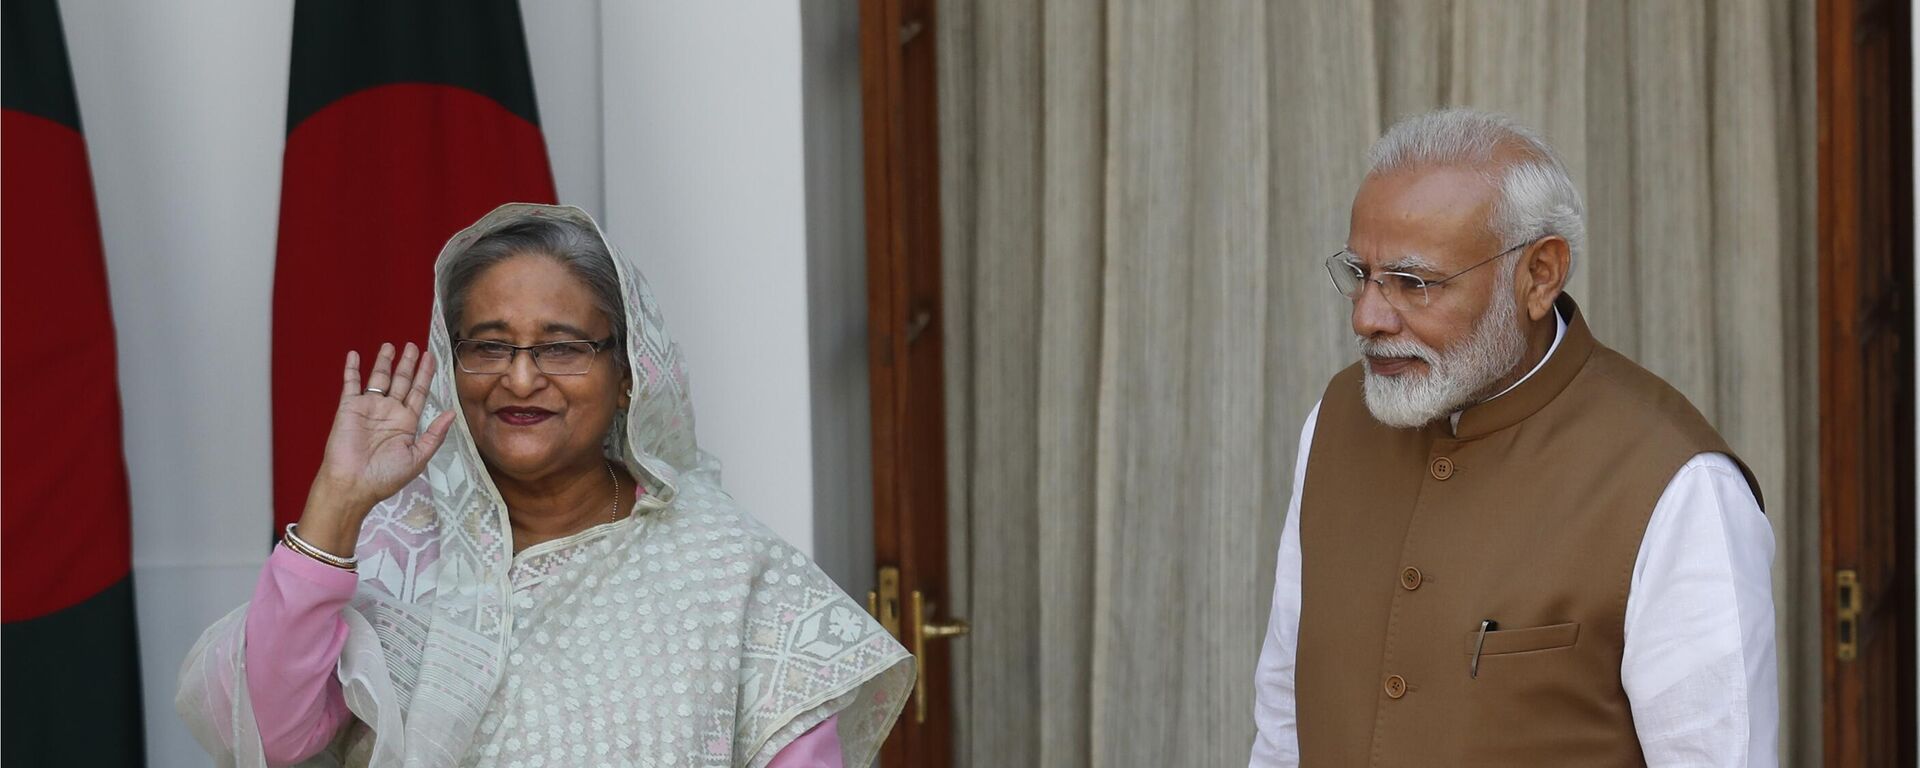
522,415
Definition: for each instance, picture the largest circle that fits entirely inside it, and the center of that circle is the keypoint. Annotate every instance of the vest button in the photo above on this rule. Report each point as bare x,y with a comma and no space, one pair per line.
1396,686
1410,578
1442,468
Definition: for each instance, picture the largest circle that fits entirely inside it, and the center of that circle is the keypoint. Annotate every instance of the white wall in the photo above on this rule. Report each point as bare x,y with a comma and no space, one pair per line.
679,125
705,191
563,45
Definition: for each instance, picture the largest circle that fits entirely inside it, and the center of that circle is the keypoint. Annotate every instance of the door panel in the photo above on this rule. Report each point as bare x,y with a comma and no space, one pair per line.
1866,381
900,115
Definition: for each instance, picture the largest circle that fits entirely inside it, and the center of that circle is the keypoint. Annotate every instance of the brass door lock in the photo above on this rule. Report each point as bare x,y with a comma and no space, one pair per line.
1846,614
884,604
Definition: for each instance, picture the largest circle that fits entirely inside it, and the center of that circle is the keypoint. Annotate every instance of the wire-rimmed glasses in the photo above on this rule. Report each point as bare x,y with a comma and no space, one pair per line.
554,358
1405,292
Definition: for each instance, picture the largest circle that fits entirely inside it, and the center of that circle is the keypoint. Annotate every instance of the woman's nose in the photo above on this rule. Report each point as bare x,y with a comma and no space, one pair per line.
523,376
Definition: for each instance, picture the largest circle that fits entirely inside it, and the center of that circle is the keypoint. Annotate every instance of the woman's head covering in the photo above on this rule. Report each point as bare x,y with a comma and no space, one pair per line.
437,611
655,436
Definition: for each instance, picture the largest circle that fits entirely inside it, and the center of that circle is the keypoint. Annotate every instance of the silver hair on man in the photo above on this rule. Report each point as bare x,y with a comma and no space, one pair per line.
1537,198
576,246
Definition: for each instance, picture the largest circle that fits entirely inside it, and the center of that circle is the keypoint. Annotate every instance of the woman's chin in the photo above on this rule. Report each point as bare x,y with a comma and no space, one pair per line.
521,460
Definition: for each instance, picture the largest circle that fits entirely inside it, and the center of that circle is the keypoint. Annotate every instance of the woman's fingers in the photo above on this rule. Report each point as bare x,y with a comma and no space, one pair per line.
402,383
350,378
430,440
382,375
423,380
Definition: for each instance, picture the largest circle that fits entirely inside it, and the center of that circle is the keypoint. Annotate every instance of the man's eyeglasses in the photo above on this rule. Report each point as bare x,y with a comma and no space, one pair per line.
1405,292
554,358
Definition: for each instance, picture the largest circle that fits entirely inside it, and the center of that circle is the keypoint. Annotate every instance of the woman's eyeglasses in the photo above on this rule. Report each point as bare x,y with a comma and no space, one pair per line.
554,358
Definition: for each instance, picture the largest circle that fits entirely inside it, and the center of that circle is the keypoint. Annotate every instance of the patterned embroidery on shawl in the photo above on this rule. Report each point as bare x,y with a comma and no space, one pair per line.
687,634
633,645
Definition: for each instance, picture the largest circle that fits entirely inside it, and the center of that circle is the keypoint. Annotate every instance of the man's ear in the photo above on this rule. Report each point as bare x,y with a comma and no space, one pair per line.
1543,274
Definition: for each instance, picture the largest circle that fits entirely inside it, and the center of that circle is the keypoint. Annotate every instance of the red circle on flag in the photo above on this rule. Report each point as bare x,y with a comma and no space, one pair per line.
65,533
374,185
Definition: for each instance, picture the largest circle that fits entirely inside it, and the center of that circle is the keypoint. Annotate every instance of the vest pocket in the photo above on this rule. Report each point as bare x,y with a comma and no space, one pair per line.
1501,642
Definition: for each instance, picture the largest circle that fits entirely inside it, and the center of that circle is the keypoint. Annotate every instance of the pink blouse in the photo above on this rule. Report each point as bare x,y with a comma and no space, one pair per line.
294,638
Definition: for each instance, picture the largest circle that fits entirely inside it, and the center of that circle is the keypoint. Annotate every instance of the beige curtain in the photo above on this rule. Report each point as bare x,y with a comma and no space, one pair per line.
1137,196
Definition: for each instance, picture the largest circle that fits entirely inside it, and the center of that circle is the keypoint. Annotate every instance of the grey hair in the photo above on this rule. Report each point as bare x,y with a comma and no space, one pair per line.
1537,195
576,246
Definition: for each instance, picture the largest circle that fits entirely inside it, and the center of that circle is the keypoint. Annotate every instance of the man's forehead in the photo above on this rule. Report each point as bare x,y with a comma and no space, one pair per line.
1426,193
1421,216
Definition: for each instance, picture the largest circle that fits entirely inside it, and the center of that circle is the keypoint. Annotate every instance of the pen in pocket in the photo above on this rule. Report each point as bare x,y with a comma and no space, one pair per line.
1486,625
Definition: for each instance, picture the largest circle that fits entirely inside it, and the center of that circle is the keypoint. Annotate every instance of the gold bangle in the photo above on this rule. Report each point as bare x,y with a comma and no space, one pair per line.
302,546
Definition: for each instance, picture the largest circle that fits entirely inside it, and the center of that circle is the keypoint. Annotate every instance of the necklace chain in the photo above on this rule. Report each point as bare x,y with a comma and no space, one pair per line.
615,514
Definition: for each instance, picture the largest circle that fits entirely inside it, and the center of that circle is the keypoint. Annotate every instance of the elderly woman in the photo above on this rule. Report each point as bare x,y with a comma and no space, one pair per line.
530,562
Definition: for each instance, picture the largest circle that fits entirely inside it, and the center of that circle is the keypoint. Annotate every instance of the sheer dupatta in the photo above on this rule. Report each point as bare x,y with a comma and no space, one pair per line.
685,634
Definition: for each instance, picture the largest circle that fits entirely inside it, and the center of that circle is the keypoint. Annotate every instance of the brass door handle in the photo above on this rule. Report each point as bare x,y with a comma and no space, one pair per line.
923,629
883,601
953,628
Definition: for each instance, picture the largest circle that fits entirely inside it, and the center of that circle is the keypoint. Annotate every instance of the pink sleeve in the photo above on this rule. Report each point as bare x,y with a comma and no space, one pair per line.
817,748
294,637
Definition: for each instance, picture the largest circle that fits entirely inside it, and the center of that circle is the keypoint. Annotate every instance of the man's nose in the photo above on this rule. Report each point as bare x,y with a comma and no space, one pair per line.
1373,315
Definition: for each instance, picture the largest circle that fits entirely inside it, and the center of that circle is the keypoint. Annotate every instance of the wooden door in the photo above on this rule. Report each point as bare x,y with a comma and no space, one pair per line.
1866,381
900,116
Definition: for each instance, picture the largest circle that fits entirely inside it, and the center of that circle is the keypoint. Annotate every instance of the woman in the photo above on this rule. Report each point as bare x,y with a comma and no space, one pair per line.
562,582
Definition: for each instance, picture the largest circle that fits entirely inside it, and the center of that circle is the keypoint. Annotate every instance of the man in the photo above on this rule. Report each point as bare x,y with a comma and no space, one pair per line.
1508,544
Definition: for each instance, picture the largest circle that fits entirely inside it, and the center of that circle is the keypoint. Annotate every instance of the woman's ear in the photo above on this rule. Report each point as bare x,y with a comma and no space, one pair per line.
626,390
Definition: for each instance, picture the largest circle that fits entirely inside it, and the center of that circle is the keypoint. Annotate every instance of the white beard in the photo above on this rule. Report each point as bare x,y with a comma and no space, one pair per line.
1454,379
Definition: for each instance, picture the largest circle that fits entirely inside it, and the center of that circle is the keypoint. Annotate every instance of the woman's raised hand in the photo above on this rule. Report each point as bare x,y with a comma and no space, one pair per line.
376,446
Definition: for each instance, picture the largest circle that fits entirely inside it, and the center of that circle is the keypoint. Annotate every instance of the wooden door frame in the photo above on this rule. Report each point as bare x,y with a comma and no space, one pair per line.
900,115
1856,103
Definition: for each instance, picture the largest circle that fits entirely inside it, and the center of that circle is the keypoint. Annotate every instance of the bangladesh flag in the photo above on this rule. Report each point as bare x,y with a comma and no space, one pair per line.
406,121
69,667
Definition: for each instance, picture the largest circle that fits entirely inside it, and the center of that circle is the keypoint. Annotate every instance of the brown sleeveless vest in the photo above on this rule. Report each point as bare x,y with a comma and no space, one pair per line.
1530,515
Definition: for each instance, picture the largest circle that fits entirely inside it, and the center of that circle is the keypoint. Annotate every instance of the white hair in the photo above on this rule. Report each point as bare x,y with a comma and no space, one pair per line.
1537,196
574,245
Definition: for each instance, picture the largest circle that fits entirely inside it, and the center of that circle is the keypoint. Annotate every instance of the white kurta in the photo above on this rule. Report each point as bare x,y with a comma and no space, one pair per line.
1699,662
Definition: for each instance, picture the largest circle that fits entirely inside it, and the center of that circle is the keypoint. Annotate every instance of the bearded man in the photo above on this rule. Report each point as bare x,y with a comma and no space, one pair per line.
1508,544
